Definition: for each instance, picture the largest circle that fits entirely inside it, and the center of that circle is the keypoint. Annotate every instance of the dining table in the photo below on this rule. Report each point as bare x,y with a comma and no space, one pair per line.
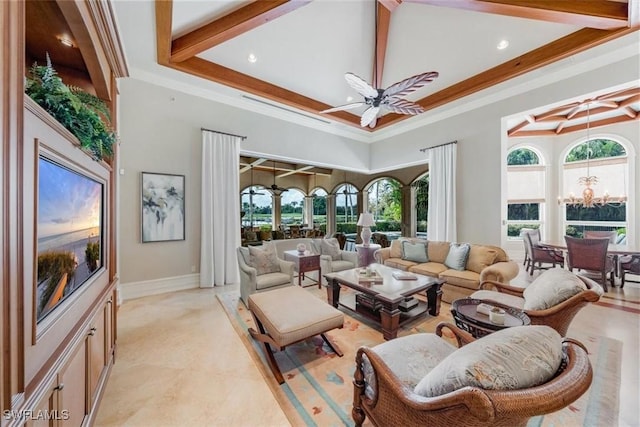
613,249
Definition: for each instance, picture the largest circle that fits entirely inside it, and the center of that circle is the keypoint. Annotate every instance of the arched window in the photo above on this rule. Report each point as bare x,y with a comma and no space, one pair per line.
320,208
346,208
606,160
384,202
256,206
421,203
292,204
526,190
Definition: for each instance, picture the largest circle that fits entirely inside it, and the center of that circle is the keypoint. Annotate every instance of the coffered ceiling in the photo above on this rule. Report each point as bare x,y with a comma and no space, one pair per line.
301,49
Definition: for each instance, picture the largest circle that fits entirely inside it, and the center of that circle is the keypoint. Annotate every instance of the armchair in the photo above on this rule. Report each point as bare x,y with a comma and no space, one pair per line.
251,282
591,255
332,258
556,315
384,380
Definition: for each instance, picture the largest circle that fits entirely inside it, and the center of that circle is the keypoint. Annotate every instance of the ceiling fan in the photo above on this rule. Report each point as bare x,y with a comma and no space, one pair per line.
347,185
390,98
277,190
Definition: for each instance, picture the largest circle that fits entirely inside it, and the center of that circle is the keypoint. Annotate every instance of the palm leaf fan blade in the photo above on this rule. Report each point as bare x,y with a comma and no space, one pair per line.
410,84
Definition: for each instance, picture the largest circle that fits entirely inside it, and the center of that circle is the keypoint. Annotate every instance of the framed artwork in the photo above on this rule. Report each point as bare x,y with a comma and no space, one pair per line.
162,207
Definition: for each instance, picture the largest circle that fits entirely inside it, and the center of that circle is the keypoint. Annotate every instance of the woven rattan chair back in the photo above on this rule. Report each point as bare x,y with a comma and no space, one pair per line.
611,235
590,255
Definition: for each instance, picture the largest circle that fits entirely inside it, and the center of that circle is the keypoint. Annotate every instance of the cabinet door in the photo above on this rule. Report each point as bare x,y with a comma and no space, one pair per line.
44,413
72,385
97,349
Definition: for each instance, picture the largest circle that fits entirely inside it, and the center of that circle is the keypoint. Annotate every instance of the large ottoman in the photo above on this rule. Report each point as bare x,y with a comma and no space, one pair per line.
288,315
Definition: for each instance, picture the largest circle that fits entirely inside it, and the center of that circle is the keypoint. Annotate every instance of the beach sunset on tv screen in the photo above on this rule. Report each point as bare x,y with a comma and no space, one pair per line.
69,233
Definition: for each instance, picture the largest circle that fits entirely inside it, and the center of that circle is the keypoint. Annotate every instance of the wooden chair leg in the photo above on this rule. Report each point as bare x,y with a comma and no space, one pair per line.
332,344
266,340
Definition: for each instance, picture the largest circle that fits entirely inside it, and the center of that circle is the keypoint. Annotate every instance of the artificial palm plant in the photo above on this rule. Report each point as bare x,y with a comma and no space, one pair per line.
85,115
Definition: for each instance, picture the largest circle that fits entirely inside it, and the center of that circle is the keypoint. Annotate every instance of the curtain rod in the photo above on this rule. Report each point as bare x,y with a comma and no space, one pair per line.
224,133
436,146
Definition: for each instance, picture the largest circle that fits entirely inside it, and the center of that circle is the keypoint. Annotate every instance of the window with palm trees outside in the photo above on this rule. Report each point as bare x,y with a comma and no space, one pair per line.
256,207
320,209
346,208
421,195
525,191
291,206
384,203
607,160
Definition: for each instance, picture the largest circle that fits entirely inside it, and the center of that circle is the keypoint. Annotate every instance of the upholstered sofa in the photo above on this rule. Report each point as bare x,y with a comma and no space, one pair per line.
484,262
332,258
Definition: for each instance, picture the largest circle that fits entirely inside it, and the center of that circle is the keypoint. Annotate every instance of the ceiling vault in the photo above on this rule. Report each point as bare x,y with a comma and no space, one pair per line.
602,21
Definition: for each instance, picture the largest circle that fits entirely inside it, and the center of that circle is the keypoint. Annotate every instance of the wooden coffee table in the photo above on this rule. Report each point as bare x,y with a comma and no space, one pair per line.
389,303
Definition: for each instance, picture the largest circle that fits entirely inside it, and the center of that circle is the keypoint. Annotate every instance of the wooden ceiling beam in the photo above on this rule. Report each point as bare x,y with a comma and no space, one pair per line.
631,100
630,112
232,25
390,5
164,17
600,14
576,128
228,77
564,47
382,35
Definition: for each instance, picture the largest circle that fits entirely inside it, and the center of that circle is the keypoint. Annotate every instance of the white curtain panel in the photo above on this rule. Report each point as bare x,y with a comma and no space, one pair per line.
441,219
220,229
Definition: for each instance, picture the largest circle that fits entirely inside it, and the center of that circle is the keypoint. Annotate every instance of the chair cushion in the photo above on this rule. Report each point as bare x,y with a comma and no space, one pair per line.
480,257
263,260
458,255
506,299
416,252
269,280
412,357
341,265
510,359
330,247
551,288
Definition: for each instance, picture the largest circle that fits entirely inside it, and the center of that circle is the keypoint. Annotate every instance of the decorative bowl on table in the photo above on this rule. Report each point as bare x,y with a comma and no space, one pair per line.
301,248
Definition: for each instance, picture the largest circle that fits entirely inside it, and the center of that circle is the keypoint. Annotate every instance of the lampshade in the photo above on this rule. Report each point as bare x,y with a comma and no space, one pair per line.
366,220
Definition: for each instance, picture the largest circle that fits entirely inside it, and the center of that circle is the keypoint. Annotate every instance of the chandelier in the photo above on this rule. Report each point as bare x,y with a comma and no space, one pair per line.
588,198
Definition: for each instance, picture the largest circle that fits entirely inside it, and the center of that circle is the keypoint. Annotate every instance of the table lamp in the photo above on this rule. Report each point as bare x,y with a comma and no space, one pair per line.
365,221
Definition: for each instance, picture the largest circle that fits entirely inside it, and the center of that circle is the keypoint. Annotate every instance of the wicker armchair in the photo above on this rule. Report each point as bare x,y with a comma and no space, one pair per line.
591,255
539,254
558,317
395,404
629,264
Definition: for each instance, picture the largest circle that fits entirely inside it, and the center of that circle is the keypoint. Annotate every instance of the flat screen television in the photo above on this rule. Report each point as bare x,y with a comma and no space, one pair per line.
70,233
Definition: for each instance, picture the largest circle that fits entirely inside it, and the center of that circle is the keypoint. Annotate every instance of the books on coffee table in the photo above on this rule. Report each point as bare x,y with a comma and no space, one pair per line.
404,275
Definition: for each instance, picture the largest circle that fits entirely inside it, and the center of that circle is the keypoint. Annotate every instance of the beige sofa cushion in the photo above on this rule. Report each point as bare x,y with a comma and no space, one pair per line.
466,279
480,257
509,359
438,251
399,263
432,269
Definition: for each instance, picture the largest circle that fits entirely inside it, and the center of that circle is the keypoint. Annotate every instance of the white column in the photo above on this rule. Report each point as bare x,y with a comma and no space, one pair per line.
307,212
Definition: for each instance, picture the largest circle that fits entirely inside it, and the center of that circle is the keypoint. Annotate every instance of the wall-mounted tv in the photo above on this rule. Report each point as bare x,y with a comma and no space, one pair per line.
70,233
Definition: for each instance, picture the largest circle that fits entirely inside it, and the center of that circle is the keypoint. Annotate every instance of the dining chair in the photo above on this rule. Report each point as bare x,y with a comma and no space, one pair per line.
629,264
540,255
596,234
527,254
590,255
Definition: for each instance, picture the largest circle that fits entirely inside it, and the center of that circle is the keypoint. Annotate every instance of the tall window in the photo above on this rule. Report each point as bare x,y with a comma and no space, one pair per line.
320,208
525,191
384,201
291,206
608,161
346,208
421,194
256,206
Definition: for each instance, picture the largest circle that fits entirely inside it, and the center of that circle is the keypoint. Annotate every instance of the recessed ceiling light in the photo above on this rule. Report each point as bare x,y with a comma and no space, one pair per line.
349,98
503,44
252,58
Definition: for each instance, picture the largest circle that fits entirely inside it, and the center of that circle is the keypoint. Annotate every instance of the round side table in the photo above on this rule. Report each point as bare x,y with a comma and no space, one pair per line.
365,254
466,316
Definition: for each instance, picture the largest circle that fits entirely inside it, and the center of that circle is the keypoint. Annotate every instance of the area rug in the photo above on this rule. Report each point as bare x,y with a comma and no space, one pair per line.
318,390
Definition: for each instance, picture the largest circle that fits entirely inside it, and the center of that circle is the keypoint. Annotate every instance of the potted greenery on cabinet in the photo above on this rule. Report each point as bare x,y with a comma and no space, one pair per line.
85,115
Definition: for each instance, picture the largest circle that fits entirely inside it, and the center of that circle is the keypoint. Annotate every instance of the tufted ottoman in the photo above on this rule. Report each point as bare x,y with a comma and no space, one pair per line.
287,315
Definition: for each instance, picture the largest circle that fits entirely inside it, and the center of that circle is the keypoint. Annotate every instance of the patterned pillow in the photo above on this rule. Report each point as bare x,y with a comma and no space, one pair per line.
416,252
457,256
510,359
330,247
551,288
264,261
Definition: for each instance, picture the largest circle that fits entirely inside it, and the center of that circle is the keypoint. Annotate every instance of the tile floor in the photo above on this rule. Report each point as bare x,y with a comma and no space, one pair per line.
180,362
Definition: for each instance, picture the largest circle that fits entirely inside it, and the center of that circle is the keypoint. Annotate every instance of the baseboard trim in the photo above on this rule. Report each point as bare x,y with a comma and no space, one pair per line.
132,290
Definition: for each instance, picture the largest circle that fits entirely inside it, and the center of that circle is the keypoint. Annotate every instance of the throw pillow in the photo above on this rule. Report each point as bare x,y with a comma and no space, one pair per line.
457,256
264,261
330,247
551,288
416,252
480,257
510,359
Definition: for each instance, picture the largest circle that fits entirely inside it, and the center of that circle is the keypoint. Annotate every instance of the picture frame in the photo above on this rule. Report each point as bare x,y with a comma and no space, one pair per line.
162,207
